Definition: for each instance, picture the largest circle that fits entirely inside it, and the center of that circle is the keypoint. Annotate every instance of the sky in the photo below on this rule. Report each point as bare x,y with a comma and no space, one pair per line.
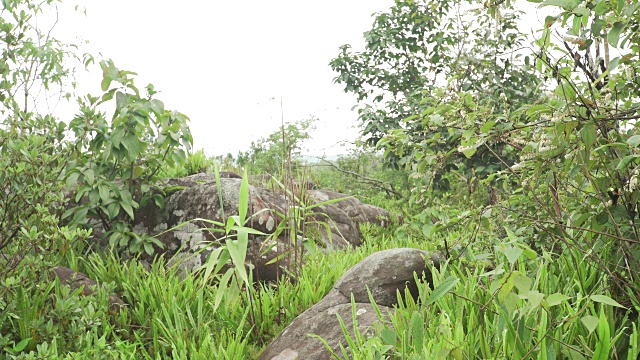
228,64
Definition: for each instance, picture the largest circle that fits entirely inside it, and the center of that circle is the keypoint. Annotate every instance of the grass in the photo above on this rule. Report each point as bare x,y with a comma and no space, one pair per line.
538,307
170,315
500,300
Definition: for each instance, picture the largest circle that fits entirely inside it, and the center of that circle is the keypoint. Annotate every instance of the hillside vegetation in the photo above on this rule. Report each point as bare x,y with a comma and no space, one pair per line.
513,155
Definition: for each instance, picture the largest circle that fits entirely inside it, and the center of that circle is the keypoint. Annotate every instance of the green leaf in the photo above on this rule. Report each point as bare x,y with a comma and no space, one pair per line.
132,144
487,126
222,288
634,141
565,4
469,152
113,209
539,109
580,11
417,327
600,8
427,229
512,253
603,347
104,193
106,82
442,289
566,91
389,337
148,248
522,282
159,200
238,252
21,345
108,95
614,33
535,298
605,300
244,198
590,322
211,267
588,135
122,100
157,107
125,205
613,64
72,180
624,163
89,176
556,299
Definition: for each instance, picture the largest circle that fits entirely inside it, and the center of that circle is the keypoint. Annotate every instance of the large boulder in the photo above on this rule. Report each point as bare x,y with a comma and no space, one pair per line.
189,242
354,208
383,274
192,243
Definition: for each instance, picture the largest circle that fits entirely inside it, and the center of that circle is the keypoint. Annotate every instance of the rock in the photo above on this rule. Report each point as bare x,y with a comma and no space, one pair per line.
343,231
357,211
190,246
299,345
189,243
384,273
200,201
78,280
229,175
286,354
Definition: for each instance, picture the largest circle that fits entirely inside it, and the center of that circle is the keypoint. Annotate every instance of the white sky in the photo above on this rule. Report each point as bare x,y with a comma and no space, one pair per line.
226,64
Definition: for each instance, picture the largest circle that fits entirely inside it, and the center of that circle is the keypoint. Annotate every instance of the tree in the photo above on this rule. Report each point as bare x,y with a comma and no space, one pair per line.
117,164
270,154
33,149
420,56
561,136
111,166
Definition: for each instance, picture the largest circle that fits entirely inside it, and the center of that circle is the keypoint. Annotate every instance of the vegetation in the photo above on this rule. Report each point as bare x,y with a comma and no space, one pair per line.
517,160
270,154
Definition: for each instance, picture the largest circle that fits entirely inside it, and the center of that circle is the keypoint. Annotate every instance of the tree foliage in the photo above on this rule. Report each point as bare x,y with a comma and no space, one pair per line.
118,162
553,122
110,166
271,153
419,58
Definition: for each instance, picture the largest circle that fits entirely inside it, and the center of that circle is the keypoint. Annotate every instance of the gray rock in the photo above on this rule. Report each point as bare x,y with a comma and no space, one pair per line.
78,280
189,243
383,273
299,345
355,209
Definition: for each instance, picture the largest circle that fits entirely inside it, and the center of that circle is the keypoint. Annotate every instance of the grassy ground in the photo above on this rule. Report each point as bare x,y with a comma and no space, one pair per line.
506,304
498,299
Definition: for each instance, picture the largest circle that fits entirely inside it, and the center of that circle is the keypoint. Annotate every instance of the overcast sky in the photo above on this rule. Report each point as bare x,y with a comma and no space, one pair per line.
226,64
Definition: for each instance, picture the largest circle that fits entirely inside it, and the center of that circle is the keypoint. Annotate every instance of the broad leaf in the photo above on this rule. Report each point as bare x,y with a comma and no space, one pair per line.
443,288
606,300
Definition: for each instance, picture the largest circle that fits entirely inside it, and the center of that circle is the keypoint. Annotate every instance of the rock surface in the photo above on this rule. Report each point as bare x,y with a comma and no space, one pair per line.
197,198
383,273
190,243
355,209
78,280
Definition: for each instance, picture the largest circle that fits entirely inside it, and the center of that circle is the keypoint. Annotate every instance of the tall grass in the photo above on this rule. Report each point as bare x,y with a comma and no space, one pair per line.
528,307
504,301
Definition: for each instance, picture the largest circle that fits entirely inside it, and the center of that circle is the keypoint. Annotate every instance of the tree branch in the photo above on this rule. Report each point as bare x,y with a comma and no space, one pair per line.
374,182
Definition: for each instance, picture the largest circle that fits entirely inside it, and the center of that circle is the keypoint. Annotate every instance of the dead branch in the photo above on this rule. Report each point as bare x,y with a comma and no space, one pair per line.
367,180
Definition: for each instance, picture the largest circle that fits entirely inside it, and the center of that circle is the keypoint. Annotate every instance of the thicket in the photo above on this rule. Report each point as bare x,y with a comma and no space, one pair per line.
545,130
517,159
